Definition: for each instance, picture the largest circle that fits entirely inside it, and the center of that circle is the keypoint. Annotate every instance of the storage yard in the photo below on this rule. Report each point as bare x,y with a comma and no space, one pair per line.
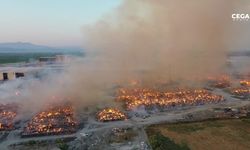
122,126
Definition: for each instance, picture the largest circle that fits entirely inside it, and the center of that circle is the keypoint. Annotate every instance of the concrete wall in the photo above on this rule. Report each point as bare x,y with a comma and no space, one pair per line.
11,75
1,76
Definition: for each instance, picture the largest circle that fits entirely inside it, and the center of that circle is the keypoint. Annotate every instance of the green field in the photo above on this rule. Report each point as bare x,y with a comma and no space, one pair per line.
206,135
26,57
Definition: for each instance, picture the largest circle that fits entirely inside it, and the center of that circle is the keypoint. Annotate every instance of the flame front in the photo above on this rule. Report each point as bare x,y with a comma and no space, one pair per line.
245,83
55,120
241,91
134,98
7,114
110,114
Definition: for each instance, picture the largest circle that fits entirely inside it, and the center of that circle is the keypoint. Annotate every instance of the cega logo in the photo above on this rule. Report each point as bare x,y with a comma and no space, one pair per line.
240,17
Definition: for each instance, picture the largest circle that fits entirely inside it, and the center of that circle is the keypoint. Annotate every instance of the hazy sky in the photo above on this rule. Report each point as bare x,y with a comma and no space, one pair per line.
49,22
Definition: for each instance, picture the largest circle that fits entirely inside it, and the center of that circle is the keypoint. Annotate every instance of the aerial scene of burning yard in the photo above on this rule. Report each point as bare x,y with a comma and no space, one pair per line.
125,75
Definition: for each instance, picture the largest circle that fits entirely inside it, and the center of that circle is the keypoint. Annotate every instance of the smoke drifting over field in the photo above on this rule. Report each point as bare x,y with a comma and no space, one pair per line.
150,41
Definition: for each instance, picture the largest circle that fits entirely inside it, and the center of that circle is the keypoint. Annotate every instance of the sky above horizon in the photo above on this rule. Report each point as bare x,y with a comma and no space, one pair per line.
50,22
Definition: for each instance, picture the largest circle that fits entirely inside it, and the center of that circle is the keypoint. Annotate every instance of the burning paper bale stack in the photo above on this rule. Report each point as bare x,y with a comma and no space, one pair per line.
245,83
242,92
149,98
110,114
8,113
55,120
219,82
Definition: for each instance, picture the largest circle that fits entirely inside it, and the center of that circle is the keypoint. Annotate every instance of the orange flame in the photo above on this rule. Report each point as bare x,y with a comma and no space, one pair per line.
133,98
111,114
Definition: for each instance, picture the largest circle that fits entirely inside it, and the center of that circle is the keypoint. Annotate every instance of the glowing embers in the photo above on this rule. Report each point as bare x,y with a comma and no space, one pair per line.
241,92
54,120
134,98
8,113
219,82
110,114
245,83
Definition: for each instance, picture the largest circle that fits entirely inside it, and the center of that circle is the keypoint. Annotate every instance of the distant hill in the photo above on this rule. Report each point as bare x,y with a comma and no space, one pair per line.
22,47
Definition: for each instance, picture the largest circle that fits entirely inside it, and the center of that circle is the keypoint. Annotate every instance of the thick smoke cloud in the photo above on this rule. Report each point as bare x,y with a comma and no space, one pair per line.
152,41
162,39
147,40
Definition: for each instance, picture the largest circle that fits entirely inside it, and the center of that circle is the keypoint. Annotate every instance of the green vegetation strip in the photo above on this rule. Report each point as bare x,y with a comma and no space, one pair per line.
22,57
160,142
26,57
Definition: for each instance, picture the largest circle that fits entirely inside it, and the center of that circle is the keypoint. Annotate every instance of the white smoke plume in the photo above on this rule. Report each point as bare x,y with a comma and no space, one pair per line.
162,38
147,40
153,41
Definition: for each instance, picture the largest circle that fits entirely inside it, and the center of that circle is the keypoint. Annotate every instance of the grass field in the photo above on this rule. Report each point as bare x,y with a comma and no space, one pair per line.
207,135
26,57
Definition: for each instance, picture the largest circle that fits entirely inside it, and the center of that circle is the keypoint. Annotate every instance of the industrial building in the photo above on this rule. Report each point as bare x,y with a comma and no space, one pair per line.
10,75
